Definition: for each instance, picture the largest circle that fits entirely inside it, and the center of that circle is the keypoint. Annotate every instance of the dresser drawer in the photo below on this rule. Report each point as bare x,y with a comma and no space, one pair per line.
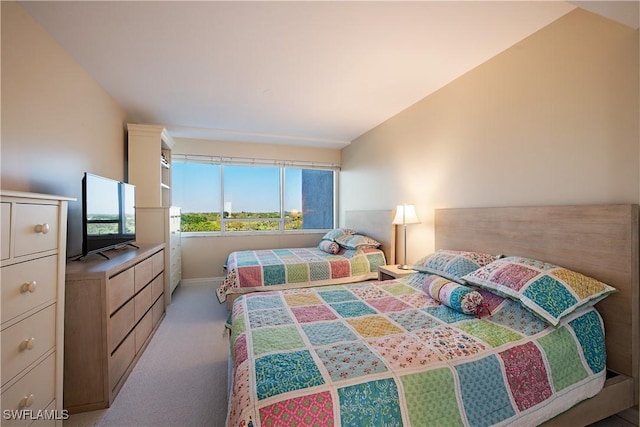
121,288
175,279
176,263
157,261
121,359
157,287
144,273
121,323
143,329
47,423
176,243
35,391
27,285
142,302
5,230
24,342
28,218
157,310
176,270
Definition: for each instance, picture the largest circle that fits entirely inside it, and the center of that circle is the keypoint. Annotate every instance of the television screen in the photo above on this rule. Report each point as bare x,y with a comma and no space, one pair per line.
108,210
129,201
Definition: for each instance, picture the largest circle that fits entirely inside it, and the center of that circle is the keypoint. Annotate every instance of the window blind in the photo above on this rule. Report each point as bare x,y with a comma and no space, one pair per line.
221,160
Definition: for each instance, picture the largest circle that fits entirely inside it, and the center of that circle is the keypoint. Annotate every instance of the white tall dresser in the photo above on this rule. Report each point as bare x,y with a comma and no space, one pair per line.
33,235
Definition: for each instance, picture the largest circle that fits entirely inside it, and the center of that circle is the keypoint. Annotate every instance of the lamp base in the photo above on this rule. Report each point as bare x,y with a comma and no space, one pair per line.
404,267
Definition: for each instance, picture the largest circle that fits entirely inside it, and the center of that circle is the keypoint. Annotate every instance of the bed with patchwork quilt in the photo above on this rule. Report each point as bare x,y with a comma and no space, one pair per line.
389,353
273,269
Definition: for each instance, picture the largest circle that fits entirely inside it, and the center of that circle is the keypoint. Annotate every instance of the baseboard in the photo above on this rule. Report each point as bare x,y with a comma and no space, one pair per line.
202,281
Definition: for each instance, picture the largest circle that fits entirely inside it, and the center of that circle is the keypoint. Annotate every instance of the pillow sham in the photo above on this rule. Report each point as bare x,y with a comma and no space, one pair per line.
454,295
549,291
452,264
329,246
337,232
356,241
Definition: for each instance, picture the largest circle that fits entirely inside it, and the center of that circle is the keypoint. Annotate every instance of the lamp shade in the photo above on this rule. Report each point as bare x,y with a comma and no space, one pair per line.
406,214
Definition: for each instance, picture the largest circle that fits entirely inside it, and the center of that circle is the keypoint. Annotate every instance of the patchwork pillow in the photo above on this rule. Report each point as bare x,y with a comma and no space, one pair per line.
454,295
549,291
453,264
329,246
356,241
337,232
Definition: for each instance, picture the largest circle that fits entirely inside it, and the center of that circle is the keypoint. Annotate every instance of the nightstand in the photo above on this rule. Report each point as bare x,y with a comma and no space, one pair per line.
388,272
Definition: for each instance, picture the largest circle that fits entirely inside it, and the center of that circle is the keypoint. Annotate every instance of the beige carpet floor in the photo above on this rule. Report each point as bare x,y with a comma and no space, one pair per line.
181,378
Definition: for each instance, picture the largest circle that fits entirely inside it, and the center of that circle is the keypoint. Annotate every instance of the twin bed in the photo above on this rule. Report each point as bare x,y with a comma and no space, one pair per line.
293,268
386,353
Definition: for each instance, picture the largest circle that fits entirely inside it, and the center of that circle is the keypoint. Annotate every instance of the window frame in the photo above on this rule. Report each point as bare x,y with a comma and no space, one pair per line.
282,165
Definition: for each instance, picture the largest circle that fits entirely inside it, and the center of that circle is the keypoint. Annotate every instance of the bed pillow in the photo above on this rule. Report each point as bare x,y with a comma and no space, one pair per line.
454,295
453,264
357,241
549,291
337,232
329,246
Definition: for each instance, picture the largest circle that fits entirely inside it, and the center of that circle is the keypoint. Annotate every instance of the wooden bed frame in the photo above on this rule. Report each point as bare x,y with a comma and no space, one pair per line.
376,224
600,241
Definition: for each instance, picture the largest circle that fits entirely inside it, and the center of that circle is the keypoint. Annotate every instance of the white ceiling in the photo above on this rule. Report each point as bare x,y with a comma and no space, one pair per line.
301,73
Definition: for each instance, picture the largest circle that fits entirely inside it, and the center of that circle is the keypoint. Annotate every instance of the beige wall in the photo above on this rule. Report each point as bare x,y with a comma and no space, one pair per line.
57,122
552,120
204,256
256,150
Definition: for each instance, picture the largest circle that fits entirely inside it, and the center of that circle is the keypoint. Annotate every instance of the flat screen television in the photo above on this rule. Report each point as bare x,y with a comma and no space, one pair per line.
108,214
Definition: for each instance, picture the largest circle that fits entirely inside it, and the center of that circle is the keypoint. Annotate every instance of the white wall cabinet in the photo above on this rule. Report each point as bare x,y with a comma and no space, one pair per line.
155,225
148,146
157,221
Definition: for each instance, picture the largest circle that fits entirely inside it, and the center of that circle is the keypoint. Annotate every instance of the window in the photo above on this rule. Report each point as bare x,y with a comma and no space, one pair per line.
242,195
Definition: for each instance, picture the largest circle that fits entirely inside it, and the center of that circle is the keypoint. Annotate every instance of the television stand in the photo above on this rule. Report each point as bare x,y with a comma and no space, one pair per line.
112,307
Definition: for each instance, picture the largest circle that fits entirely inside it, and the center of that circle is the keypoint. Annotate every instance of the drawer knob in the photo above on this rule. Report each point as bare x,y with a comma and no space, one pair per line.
26,401
42,228
28,287
27,344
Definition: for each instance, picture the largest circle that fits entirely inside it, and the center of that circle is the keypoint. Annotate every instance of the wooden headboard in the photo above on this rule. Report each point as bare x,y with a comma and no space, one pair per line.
377,225
600,241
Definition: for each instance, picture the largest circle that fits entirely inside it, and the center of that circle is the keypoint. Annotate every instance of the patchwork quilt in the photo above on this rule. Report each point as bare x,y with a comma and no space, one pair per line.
298,267
387,354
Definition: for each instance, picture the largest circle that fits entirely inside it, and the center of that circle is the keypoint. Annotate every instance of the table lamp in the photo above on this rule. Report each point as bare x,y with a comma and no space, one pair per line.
405,214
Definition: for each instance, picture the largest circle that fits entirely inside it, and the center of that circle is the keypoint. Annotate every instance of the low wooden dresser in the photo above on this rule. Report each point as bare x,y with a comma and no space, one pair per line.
113,308
33,246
